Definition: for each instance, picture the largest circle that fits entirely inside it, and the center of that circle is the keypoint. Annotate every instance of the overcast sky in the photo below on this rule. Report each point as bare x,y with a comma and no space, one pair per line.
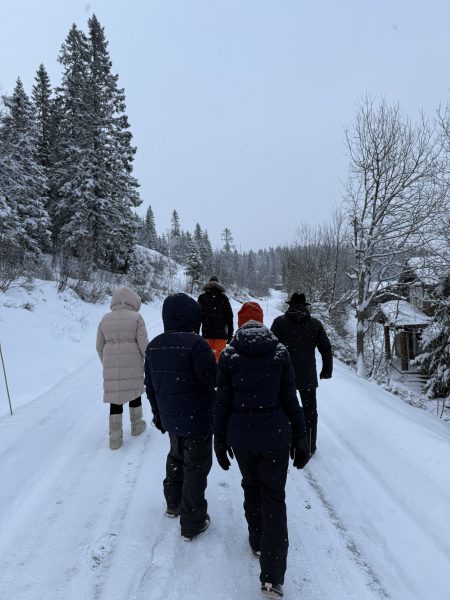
238,107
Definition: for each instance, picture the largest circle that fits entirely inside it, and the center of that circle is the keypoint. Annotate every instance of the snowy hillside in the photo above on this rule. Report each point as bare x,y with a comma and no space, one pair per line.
368,517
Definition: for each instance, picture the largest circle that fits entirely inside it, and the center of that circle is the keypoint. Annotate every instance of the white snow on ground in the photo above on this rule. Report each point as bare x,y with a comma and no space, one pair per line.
368,517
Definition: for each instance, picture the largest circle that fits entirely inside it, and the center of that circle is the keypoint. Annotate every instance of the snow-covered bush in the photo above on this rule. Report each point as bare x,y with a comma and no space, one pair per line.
335,324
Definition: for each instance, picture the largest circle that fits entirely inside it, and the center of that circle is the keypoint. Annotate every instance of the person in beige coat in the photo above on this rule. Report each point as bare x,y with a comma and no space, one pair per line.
121,344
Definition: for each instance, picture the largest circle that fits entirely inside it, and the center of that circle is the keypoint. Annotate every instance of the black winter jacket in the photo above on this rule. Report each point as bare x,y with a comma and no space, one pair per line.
217,314
302,334
180,370
256,401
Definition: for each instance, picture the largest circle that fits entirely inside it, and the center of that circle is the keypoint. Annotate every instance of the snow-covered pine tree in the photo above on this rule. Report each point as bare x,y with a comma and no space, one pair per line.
207,253
251,272
96,188
41,95
150,229
43,104
175,240
193,261
435,360
226,260
175,229
22,181
163,245
73,213
115,187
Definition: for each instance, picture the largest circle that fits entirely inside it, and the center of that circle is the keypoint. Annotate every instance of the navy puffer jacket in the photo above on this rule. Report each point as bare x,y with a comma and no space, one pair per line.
256,402
180,370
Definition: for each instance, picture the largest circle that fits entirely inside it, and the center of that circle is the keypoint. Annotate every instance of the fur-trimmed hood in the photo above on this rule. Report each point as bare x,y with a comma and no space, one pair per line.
213,286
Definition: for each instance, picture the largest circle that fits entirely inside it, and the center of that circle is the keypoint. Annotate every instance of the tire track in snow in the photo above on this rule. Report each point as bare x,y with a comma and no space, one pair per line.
374,582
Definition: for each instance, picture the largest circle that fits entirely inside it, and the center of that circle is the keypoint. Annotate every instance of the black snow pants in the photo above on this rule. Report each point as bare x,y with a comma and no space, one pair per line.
188,464
263,482
309,403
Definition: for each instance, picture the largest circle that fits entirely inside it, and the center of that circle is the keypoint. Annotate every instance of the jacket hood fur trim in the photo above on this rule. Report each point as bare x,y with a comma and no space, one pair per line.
214,286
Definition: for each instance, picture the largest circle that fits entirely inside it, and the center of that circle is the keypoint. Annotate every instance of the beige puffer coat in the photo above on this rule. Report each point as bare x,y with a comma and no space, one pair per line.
121,344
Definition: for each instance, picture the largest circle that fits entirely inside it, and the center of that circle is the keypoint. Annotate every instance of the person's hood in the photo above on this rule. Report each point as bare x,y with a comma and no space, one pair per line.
254,338
213,286
298,313
123,297
180,312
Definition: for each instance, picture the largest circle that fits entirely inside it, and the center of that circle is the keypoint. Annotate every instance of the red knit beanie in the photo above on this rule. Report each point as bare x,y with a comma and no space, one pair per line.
250,311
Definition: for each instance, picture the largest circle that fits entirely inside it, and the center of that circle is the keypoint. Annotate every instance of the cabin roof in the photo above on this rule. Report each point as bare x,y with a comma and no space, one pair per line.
401,313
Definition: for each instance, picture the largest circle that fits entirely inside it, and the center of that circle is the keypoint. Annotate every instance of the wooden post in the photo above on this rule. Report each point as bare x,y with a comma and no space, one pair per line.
404,351
387,343
6,380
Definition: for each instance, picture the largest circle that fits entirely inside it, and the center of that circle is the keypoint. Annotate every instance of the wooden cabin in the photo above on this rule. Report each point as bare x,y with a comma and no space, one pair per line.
403,325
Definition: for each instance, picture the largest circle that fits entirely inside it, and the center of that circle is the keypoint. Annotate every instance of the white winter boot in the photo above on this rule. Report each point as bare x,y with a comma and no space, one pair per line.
115,431
138,424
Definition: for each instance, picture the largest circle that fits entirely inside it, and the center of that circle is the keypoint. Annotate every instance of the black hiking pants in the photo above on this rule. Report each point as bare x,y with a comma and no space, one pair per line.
263,482
309,403
188,464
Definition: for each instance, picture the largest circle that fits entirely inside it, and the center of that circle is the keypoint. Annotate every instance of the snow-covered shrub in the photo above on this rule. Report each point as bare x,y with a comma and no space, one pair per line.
17,267
335,324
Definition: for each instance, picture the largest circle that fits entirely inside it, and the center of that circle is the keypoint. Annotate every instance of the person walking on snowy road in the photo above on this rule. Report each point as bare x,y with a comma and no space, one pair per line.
258,419
217,316
121,344
302,334
180,376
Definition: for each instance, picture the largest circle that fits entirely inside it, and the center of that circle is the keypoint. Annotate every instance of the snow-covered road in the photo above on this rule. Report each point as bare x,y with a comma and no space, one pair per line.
368,517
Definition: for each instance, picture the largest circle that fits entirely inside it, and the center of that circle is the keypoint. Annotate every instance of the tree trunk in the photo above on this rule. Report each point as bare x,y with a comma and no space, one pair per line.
360,336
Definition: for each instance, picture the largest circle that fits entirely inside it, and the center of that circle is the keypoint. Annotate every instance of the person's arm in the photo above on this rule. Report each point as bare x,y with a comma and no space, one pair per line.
149,389
325,349
224,397
100,343
288,396
275,329
204,363
230,324
141,336
198,326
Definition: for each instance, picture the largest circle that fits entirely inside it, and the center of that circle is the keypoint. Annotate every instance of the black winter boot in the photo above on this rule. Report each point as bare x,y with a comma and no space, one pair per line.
272,590
206,523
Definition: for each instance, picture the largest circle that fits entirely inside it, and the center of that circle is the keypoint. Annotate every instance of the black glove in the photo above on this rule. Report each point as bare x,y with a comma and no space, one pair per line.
300,451
324,374
221,449
157,423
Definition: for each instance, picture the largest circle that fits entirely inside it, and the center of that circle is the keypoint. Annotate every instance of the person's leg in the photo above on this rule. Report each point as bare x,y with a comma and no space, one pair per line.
197,462
248,465
309,403
173,482
138,425
115,426
272,474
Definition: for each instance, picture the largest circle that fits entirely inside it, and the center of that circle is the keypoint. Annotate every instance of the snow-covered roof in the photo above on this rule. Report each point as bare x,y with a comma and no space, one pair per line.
429,270
400,312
